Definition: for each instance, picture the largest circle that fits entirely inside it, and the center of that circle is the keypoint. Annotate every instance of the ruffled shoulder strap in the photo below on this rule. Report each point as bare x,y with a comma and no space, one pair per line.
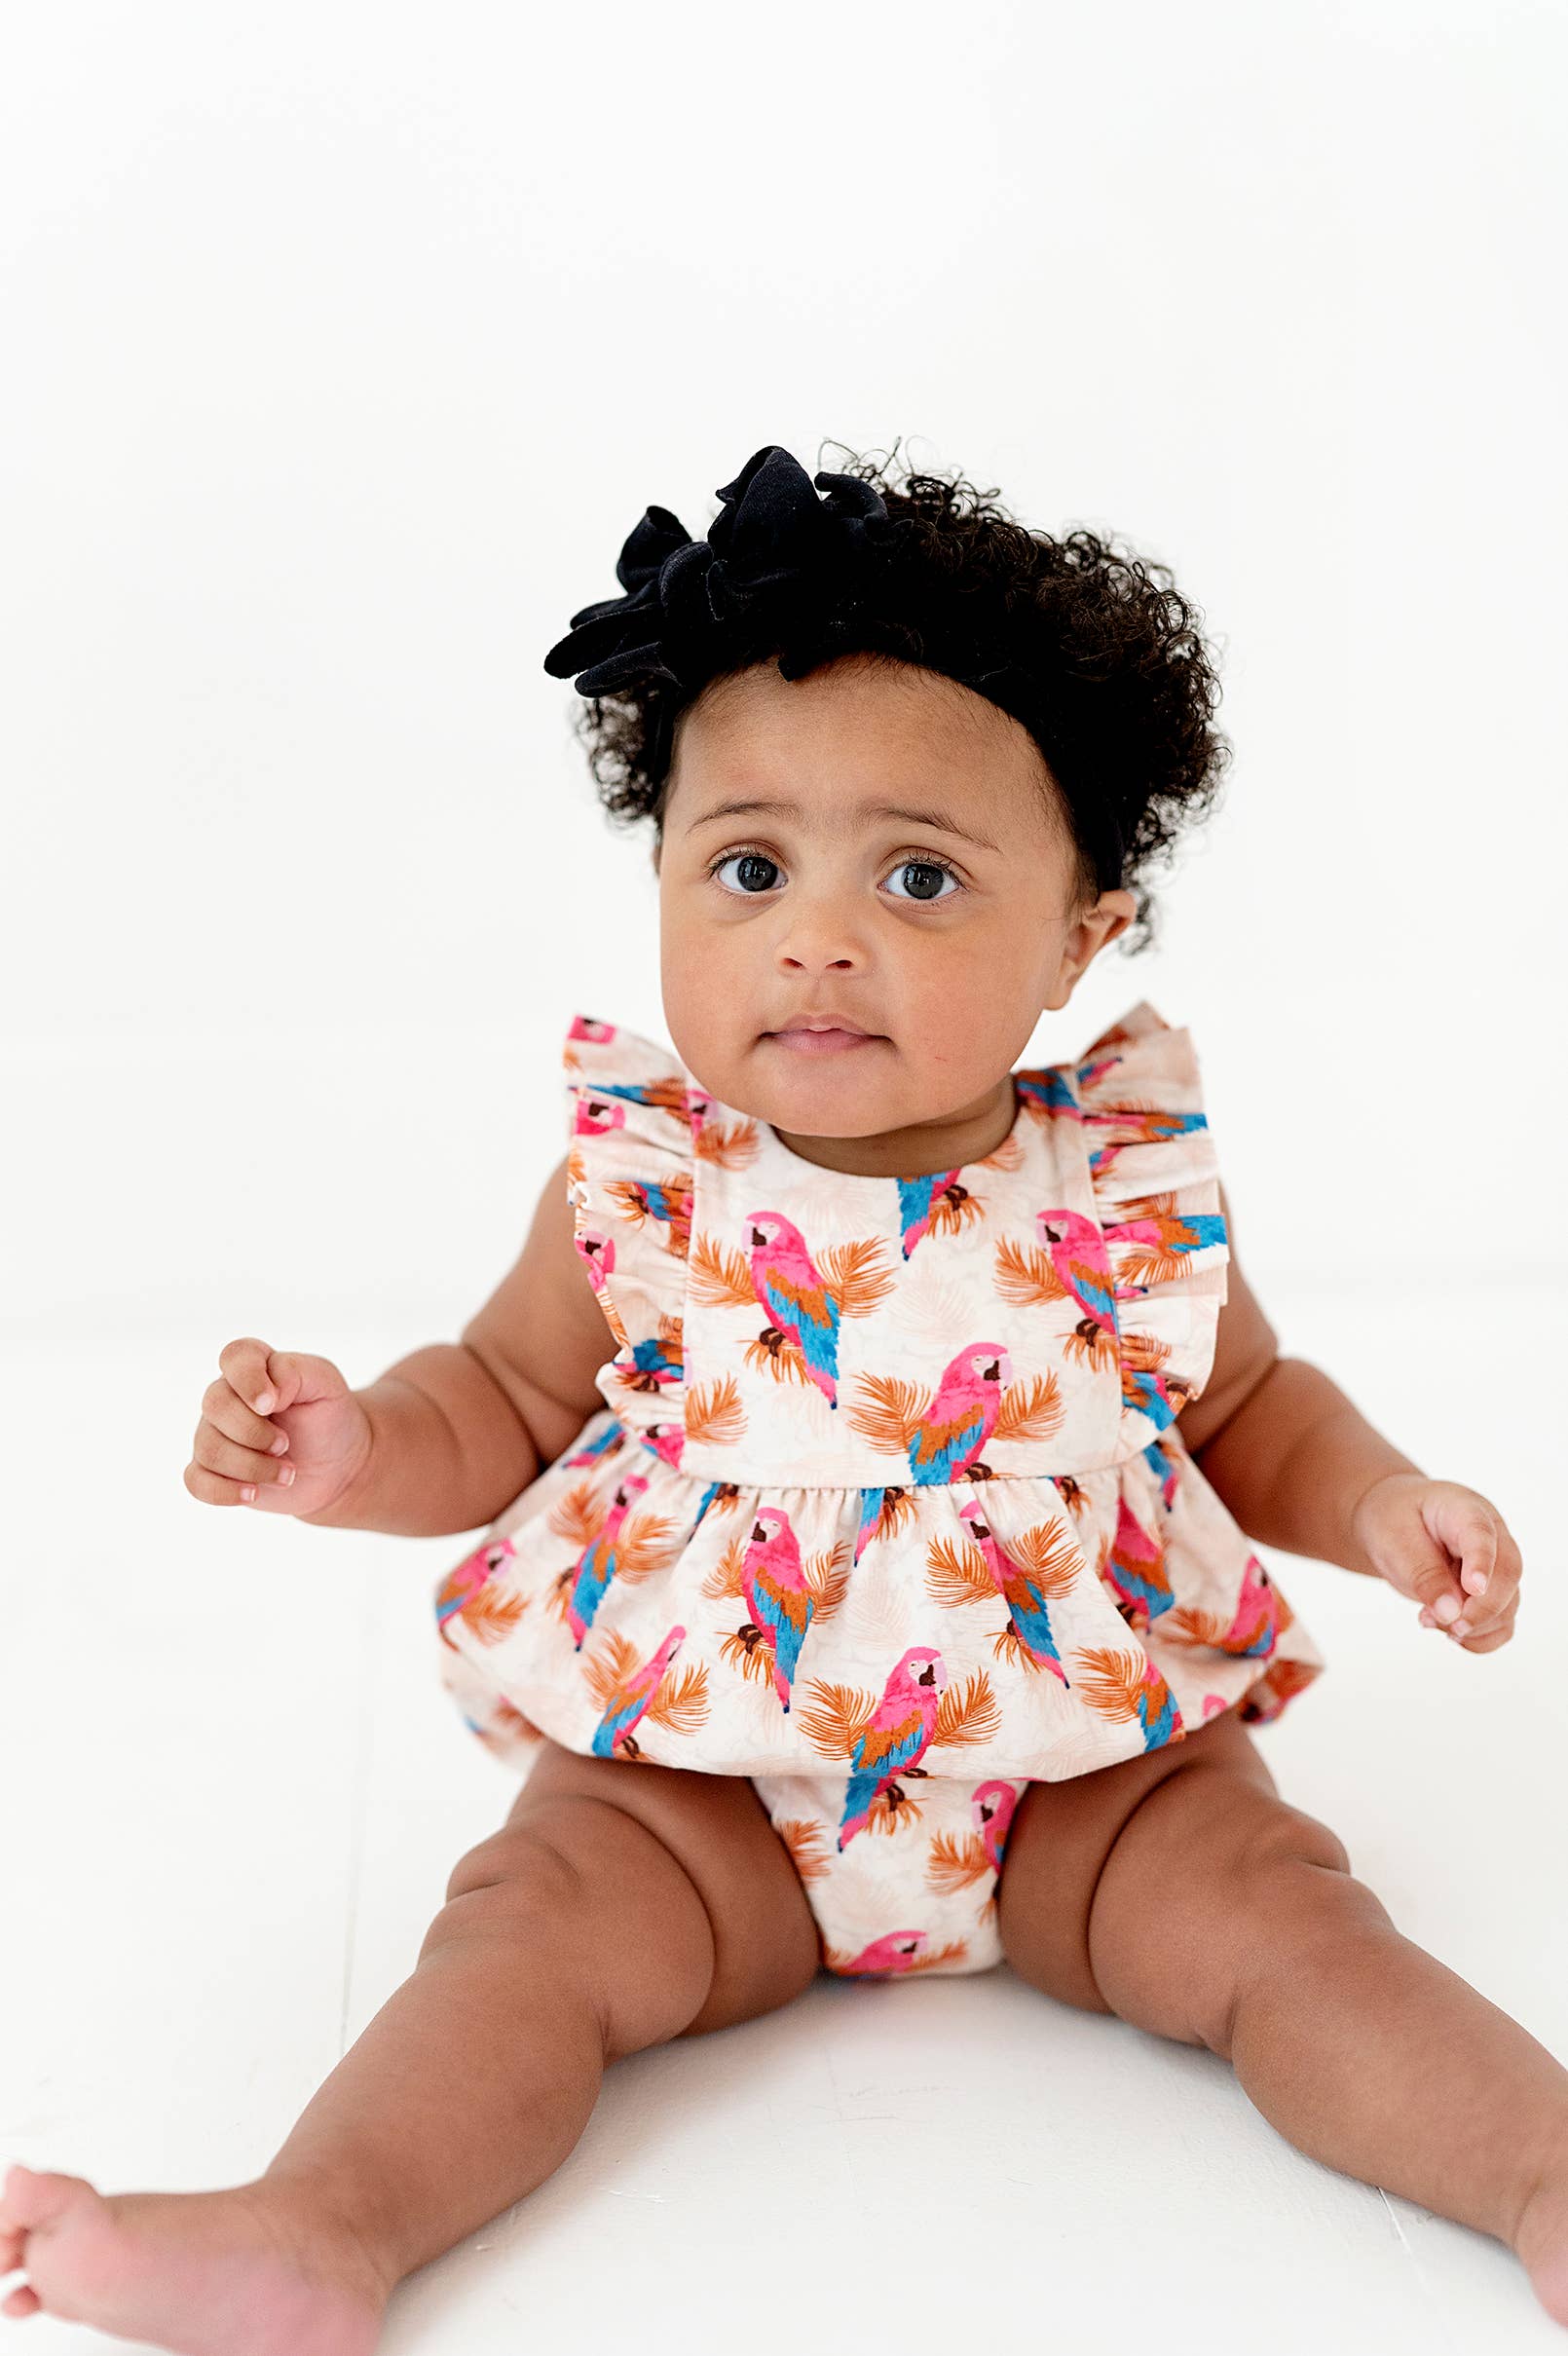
631,1107
1155,1175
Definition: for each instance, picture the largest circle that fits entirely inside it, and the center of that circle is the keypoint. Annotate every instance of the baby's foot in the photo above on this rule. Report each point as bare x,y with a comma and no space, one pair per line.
1542,2243
242,2272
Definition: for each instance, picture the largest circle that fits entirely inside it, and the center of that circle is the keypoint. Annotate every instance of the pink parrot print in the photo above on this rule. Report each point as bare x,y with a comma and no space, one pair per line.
1082,1266
1170,1238
595,1566
1135,1570
1027,1606
919,1197
1157,1712
1254,1629
793,1291
894,1951
597,1254
896,1739
949,1435
468,1579
667,1441
630,1698
993,1806
595,1114
603,1444
587,1029
777,1595
1148,1128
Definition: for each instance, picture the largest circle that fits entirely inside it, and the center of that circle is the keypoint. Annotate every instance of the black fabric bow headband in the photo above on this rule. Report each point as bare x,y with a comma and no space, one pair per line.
777,553
773,541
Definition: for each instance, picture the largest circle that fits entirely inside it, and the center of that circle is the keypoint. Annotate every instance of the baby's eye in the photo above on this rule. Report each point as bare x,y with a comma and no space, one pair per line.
758,872
925,880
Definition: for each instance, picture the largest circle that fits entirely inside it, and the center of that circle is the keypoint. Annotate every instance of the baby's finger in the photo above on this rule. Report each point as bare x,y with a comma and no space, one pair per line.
1501,1599
244,1363
214,1488
223,1406
218,1454
1466,1526
1487,1640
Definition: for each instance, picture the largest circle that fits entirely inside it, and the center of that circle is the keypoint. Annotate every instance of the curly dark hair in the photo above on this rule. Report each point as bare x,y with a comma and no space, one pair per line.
1131,746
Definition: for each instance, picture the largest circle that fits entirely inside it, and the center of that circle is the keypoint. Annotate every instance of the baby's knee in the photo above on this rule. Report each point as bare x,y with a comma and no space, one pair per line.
593,1896
517,1871
1280,1840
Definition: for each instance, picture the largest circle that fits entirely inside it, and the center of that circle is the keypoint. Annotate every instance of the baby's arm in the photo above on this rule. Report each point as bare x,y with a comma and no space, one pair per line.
1288,1453
459,1429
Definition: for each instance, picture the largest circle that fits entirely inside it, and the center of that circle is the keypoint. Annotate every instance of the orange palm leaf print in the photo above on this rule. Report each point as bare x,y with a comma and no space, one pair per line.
1030,1411
780,1359
1049,1553
727,1575
1026,1276
1190,1625
608,1664
954,1865
721,1278
681,1703
958,1574
1139,1261
728,1148
492,1611
827,1578
1110,1682
835,1717
857,1275
714,1413
628,1199
754,1660
888,1413
1009,1646
967,1712
576,1517
645,1545
667,1092
1143,1352
806,1843
887,1816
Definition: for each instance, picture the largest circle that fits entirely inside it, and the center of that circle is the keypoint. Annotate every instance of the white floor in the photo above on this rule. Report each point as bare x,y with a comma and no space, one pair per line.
236,1792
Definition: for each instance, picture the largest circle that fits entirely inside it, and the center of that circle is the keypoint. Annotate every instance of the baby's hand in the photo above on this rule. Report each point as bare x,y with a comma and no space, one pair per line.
297,1463
1449,1549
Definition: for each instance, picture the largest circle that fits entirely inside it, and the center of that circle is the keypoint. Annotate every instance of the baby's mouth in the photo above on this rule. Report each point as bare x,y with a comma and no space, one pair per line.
829,1041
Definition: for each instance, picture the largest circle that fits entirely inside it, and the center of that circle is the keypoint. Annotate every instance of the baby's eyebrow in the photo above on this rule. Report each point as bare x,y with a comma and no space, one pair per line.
906,812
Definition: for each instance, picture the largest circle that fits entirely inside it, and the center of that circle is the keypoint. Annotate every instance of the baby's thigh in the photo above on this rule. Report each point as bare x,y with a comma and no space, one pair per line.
1128,1889
672,1871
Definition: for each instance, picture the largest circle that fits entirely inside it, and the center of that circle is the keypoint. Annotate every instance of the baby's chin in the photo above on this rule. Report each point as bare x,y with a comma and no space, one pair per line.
834,1090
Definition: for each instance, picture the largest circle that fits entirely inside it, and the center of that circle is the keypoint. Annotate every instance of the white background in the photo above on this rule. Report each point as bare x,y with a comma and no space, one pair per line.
344,349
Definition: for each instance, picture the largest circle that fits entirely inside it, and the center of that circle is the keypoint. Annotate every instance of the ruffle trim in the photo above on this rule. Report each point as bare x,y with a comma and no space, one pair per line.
632,1121
1155,1173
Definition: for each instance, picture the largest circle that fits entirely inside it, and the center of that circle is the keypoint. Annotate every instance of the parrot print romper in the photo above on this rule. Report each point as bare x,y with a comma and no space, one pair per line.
888,1508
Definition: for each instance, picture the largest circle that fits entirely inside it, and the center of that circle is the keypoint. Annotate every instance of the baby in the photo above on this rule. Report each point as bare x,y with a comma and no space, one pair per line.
869,1442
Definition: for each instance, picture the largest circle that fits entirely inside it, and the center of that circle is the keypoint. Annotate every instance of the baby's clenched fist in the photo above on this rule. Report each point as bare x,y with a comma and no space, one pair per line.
279,1429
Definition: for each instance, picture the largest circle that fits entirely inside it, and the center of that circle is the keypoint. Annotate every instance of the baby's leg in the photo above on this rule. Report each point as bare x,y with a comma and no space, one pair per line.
620,1905
1180,1891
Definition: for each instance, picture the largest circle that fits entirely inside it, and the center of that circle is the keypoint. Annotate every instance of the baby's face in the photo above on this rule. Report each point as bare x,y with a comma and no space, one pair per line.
876,844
